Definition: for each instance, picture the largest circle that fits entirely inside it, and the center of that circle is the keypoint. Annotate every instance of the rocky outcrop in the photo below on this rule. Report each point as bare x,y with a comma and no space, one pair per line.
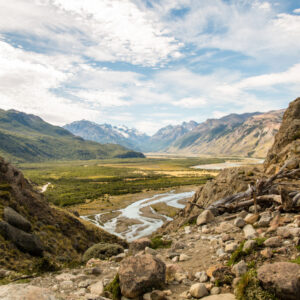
283,278
15,219
287,140
139,274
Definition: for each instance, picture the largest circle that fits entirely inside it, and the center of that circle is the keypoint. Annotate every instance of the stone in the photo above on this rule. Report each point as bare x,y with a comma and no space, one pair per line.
183,257
201,276
66,285
239,269
198,290
215,290
229,248
251,218
119,257
220,297
249,245
96,271
65,276
102,251
25,292
220,252
150,251
226,227
26,242
205,229
252,208
158,295
97,288
283,278
223,274
249,232
179,277
178,246
16,220
226,237
187,229
140,274
205,217
239,222
264,220
85,283
273,242
140,244
266,253
211,269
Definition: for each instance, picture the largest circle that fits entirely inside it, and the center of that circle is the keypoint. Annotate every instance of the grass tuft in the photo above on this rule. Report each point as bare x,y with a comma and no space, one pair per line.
157,242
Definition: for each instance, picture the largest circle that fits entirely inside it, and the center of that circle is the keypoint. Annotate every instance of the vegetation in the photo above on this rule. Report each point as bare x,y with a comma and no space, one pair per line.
157,242
102,251
81,181
28,138
248,288
114,288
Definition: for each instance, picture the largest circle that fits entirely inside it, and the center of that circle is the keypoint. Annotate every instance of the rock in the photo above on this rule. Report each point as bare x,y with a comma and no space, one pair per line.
171,270
26,242
287,232
102,251
252,208
249,245
198,290
16,220
249,232
267,253
226,237
226,227
187,229
205,217
239,269
150,251
65,277
25,292
178,246
229,248
215,290
283,278
251,218
179,277
220,252
222,274
158,295
66,285
97,288
183,257
220,297
201,276
85,283
119,257
239,222
205,229
140,244
273,242
264,220
211,269
140,274
96,271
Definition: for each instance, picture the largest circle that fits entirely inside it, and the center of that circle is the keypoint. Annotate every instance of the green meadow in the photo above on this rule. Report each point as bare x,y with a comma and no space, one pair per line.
76,182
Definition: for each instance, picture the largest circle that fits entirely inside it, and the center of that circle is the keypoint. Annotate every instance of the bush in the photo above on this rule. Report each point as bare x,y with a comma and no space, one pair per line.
158,242
114,288
102,251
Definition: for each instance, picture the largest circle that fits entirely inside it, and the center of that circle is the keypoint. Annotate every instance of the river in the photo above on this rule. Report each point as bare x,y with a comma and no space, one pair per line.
139,224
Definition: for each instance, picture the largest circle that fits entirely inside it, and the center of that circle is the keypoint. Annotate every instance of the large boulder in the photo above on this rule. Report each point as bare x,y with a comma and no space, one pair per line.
140,274
16,220
26,242
102,251
283,278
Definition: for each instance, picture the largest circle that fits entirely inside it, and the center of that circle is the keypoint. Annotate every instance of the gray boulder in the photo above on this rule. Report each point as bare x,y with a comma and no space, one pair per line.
16,220
140,274
26,242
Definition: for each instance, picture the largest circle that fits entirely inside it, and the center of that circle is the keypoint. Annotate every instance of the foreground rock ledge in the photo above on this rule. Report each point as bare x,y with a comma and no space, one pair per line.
139,274
283,278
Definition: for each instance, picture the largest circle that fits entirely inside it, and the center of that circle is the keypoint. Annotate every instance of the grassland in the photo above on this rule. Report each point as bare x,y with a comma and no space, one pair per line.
76,182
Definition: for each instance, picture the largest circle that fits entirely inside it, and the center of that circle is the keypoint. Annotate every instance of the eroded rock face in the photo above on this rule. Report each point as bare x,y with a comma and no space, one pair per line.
283,278
287,140
140,274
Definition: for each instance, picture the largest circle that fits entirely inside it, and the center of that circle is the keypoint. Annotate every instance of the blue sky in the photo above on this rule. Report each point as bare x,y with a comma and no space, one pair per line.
147,64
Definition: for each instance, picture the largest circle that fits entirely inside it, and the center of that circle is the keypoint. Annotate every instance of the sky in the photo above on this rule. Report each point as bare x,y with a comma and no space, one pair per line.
147,64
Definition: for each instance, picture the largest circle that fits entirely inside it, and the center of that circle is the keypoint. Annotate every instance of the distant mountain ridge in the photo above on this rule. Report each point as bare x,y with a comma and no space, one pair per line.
106,133
26,137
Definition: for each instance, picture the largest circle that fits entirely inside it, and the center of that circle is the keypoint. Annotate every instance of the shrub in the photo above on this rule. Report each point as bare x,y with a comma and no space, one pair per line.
114,288
158,242
102,251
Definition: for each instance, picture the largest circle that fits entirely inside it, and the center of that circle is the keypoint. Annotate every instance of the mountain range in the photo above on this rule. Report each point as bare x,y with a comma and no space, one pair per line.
248,134
25,137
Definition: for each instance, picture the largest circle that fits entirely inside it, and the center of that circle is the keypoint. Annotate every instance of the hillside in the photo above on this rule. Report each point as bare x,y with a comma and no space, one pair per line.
245,135
106,133
34,235
28,138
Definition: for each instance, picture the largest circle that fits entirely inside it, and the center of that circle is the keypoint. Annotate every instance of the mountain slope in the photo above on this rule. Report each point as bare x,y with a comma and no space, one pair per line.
26,137
164,137
246,135
106,133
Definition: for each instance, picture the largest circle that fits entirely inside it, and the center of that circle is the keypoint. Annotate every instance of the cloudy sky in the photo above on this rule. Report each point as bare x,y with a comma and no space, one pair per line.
148,63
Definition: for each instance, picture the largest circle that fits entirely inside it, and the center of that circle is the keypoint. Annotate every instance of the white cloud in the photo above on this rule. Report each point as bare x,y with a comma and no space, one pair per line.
296,11
106,30
190,102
